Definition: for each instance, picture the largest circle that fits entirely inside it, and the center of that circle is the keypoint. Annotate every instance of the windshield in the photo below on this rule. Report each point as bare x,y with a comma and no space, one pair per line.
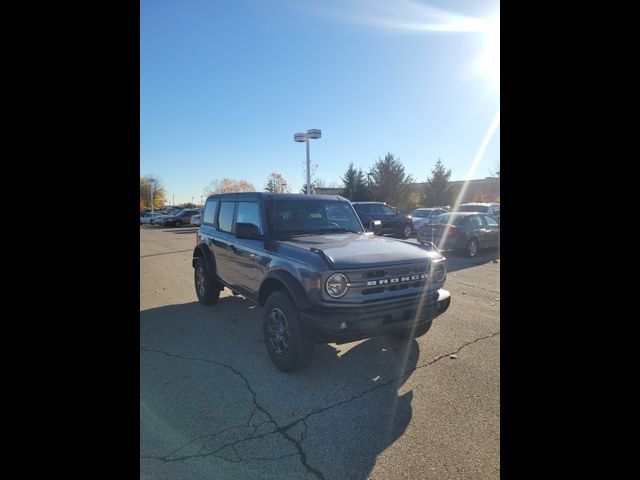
420,213
473,208
317,216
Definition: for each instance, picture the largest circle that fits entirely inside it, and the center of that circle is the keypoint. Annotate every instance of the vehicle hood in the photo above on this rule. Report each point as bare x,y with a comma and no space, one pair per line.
352,250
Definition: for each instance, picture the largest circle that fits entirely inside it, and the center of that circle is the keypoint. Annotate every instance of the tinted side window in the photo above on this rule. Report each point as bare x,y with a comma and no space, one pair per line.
475,221
248,212
210,211
387,210
362,208
492,222
225,217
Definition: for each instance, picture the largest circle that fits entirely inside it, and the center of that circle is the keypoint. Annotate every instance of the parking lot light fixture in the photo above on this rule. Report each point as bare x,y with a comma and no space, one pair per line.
313,134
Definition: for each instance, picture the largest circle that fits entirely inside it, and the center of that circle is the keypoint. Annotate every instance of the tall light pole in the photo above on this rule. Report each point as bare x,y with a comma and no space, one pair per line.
152,202
304,137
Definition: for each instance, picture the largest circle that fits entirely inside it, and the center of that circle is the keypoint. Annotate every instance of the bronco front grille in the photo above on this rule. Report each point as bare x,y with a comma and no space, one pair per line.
392,279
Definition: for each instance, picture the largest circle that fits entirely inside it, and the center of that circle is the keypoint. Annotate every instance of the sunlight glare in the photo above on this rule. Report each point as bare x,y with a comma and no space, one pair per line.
488,64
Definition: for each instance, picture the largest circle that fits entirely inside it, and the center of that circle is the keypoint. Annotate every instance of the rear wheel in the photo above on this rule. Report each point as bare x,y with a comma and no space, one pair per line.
207,288
178,223
472,248
289,345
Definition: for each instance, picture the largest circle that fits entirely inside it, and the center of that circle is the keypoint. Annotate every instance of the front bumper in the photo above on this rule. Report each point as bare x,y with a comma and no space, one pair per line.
326,324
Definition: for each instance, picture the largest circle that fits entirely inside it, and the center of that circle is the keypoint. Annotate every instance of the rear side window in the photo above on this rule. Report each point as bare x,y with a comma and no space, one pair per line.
225,217
492,222
362,208
248,212
210,211
474,221
387,210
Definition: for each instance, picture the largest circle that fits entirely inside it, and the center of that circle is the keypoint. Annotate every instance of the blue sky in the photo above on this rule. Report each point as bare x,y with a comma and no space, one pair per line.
224,85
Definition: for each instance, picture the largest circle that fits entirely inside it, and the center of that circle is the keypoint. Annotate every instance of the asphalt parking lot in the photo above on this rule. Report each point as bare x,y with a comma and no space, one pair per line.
212,405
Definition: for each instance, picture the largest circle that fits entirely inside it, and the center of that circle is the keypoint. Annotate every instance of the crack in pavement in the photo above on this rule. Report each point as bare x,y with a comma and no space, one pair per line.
278,429
404,374
473,286
258,406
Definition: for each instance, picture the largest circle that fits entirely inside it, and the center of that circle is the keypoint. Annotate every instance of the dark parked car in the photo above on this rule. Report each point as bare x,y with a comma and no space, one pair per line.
391,220
492,209
320,278
183,217
466,232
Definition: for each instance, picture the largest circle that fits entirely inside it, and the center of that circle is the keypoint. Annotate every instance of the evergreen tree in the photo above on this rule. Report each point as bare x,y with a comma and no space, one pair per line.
437,191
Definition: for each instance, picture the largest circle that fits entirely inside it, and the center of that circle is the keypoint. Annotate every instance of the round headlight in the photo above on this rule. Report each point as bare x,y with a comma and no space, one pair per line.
440,272
337,285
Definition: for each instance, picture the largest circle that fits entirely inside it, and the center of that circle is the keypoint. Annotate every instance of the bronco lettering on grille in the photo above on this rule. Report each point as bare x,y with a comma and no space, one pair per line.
372,283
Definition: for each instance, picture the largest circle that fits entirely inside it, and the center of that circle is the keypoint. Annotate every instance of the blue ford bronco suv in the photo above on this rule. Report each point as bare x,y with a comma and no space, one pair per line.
307,260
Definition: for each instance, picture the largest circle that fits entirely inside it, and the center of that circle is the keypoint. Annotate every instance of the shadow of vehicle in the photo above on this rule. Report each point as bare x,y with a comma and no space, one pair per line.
209,391
458,261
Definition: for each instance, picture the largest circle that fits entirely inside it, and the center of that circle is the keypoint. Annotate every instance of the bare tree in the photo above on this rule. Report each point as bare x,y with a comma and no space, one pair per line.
151,185
228,185
276,183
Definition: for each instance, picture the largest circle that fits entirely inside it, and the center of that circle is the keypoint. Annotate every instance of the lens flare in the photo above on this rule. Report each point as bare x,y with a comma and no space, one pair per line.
488,64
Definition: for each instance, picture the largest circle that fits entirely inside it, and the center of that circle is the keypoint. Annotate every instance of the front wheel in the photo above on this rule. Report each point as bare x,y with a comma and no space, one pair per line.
289,345
178,224
406,231
207,288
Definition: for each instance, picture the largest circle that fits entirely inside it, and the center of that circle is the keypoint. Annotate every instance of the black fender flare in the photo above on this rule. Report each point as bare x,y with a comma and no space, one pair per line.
291,285
202,251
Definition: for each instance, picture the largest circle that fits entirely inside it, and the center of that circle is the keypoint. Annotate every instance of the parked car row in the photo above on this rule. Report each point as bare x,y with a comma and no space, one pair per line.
466,232
489,208
180,218
469,228
147,218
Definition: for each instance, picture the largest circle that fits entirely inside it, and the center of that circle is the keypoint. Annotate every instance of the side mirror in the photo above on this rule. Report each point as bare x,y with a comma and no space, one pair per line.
247,230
